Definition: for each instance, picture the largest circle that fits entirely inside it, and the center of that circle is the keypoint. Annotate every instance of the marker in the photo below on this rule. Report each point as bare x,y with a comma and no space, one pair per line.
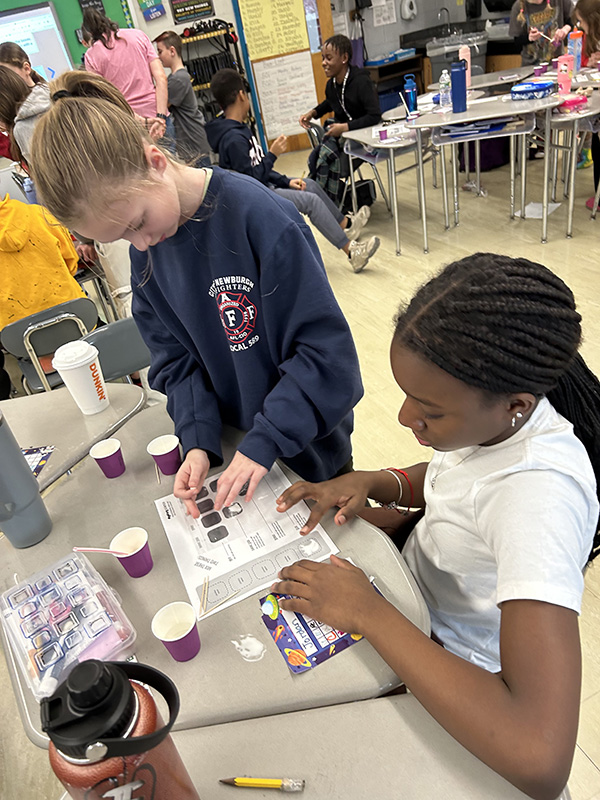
283,784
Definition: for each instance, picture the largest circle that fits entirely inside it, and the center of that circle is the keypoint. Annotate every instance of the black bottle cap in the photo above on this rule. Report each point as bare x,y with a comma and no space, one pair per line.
96,701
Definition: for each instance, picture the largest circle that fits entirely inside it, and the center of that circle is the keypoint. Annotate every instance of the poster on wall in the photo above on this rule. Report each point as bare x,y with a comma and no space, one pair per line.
185,11
274,28
151,9
98,5
285,86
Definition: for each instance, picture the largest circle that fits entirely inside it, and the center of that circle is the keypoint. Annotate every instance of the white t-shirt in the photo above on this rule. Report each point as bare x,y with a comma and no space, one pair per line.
514,520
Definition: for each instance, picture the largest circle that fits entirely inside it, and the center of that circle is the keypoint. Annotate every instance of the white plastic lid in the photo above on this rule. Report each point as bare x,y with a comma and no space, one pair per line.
73,354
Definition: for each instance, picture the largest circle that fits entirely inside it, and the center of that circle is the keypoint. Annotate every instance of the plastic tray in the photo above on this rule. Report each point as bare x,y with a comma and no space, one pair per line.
61,616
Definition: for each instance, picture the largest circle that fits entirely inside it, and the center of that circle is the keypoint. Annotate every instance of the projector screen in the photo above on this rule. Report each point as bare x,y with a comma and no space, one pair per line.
37,30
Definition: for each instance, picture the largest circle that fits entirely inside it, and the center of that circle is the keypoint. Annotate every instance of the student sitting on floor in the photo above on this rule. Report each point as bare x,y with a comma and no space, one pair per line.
190,137
229,293
240,150
486,356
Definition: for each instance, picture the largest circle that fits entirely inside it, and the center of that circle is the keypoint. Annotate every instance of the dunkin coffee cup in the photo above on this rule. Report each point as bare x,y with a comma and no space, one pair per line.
78,365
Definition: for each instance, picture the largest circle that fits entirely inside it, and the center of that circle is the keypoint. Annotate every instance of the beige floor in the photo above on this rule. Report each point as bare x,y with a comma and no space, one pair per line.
369,301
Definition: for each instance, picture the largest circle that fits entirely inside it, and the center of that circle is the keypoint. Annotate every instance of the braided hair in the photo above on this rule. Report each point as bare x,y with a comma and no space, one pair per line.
507,325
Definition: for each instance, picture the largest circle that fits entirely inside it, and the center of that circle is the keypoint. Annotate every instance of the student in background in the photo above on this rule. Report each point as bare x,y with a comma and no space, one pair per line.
352,97
486,356
229,293
37,261
24,96
190,137
126,58
529,19
240,150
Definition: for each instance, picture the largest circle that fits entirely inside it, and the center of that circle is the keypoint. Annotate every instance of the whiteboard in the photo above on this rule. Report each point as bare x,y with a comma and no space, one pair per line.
37,31
286,87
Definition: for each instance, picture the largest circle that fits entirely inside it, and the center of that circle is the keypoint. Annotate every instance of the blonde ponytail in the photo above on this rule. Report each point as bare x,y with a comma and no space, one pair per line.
88,143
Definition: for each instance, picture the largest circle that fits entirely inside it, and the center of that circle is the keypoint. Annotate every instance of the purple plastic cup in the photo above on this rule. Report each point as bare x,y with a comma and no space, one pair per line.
107,454
175,626
133,541
555,63
165,451
537,71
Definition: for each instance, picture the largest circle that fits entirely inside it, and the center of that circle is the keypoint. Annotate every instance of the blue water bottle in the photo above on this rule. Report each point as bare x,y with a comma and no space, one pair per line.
458,74
410,92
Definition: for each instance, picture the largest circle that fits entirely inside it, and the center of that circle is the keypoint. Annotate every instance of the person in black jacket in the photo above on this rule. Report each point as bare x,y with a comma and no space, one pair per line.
350,93
352,97
240,150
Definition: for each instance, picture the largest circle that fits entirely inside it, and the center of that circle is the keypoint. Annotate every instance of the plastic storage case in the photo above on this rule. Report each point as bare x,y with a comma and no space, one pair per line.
532,90
61,616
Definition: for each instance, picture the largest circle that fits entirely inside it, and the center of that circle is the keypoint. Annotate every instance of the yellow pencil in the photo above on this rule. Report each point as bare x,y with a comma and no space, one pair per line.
283,784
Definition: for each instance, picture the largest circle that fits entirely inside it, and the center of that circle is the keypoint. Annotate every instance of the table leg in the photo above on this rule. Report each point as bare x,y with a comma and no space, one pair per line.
455,180
573,166
478,166
421,188
352,184
547,134
555,139
511,141
394,195
467,155
524,157
444,186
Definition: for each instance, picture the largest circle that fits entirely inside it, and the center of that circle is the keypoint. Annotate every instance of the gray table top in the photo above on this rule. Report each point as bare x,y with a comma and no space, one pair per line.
387,748
503,77
486,108
218,685
425,103
53,418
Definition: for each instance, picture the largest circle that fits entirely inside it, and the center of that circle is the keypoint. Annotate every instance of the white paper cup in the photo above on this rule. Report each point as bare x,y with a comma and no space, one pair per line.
78,365
175,626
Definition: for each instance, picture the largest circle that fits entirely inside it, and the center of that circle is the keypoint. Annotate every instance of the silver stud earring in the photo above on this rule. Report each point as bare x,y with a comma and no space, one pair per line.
517,416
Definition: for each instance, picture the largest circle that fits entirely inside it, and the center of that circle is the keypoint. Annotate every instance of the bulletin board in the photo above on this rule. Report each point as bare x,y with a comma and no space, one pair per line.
69,14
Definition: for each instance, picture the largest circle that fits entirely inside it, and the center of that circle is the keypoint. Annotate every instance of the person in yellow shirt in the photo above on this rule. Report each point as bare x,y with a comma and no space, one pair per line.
37,261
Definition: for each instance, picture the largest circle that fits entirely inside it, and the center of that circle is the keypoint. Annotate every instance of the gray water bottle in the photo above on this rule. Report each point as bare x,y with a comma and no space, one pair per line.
23,516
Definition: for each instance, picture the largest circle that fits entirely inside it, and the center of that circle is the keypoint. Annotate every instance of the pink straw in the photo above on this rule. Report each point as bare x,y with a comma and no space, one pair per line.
99,550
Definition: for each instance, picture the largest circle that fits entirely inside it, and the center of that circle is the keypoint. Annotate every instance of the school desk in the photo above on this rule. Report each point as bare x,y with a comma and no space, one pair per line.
389,748
481,110
53,418
218,685
494,80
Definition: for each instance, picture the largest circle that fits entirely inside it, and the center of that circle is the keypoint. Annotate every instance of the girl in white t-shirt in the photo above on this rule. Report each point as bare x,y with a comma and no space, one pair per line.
486,355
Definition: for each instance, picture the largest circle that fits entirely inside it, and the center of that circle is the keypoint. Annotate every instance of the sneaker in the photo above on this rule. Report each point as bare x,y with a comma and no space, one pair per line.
358,222
586,159
361,252
590,203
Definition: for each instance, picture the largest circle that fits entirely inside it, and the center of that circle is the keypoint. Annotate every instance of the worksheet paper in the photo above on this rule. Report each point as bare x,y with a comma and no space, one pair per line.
240,548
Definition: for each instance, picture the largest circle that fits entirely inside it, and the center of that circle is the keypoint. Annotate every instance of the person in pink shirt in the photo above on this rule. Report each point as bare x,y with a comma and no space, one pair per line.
127,59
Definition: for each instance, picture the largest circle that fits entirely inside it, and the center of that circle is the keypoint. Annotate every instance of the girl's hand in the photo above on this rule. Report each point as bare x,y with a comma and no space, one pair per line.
242,470
190,478
594,59
348,492
337,594
297,183
561,33
534,35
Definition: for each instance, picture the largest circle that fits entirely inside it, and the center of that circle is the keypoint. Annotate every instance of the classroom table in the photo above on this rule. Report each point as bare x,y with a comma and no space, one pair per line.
387,748
387,150
218,685
481,110
53,418
489,80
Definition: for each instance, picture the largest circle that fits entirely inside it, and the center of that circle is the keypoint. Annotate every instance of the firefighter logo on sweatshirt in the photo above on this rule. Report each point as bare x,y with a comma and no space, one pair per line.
238,316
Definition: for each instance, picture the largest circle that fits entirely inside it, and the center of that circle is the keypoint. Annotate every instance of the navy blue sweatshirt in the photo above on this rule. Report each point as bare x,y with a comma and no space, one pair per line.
240,150
244,329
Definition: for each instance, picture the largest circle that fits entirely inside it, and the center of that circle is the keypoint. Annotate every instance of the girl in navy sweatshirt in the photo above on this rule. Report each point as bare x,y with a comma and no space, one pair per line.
230,294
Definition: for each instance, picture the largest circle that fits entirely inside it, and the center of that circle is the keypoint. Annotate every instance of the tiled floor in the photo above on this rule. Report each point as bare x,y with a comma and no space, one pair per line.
369,301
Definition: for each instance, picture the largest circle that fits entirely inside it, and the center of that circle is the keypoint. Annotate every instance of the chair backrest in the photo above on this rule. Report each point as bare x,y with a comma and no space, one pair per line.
477,69
315,133
121,348
61,324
